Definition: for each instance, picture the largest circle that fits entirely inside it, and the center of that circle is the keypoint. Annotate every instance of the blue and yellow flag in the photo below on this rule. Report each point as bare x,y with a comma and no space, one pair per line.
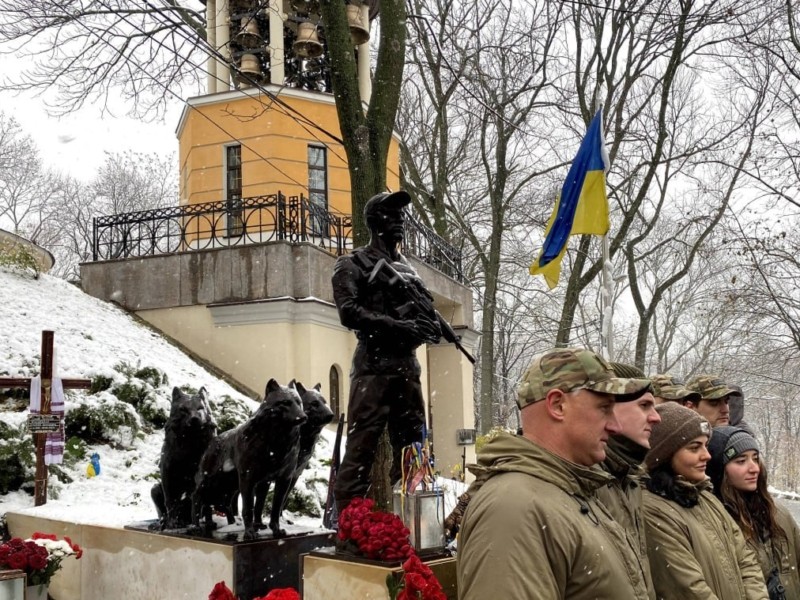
582,206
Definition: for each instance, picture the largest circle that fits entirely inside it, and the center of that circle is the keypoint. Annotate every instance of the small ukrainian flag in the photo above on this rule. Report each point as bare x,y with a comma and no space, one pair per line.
582,206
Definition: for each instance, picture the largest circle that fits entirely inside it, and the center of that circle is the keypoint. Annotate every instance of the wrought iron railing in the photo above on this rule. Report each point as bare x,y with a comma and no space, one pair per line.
260,219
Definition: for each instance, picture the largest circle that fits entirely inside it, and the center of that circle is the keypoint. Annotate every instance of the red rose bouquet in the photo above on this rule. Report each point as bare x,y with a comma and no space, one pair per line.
40,556
223,592
417,583
378,535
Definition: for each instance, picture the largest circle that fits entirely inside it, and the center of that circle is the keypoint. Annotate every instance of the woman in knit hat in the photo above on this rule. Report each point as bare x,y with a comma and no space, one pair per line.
695,548
740,481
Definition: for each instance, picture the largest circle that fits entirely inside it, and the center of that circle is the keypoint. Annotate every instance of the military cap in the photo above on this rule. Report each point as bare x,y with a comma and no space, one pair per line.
570,369
670,387
712,387
386,200
626,370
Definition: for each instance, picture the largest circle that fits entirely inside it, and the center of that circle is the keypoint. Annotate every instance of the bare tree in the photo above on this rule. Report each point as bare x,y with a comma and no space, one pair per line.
96,49
632,60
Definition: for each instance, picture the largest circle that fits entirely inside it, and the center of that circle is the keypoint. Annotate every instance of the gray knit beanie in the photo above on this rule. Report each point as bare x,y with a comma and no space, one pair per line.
728,443
679,426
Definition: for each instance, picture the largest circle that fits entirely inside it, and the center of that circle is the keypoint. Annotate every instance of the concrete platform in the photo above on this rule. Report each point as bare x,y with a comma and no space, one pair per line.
140,564
328,576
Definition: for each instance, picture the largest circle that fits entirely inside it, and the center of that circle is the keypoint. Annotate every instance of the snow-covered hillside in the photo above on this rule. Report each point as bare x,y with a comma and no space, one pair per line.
99,341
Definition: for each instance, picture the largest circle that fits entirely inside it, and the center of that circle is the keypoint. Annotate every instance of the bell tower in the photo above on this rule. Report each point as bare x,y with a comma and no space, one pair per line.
281,42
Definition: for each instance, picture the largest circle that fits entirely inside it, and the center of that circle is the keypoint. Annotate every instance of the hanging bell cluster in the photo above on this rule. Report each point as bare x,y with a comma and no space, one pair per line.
253,46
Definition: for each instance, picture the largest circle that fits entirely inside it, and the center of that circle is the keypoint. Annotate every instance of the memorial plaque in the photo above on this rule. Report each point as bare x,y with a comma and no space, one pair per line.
44,423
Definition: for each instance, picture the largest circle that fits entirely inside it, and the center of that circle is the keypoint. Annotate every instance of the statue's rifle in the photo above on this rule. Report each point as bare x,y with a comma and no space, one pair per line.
331,514
416,302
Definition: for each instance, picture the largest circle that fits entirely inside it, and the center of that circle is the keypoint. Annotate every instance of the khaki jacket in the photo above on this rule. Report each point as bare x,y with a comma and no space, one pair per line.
623,495
699,552
535,530
782,554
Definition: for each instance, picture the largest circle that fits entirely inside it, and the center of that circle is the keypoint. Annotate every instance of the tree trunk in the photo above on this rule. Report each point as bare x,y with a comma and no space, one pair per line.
381,486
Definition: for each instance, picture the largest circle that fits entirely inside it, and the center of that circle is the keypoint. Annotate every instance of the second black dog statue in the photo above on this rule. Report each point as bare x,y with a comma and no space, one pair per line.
263,449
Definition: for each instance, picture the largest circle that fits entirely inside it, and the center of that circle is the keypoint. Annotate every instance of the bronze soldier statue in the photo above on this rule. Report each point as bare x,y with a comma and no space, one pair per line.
380,296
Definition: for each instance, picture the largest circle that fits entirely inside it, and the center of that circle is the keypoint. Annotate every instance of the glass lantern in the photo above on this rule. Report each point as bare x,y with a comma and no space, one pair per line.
422,513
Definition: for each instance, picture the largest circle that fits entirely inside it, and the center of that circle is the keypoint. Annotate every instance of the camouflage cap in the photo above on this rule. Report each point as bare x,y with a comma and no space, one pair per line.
712,387
570,369
670,387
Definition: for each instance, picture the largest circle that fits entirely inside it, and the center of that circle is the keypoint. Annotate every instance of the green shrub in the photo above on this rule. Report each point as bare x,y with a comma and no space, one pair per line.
131,392
152,414
17,458
74,451
97,424
100,383
303,503
229,412
152,376
19,258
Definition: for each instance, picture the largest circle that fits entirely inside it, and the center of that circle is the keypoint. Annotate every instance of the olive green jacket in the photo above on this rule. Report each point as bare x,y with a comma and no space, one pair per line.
699,552
623,495
782,554
535,530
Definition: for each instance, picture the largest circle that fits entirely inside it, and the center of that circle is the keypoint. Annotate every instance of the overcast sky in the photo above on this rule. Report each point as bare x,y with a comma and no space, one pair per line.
76,144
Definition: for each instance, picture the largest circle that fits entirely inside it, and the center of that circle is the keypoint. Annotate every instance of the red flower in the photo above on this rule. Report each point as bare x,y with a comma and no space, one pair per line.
221,592
281,594
44,536
37,561
17,561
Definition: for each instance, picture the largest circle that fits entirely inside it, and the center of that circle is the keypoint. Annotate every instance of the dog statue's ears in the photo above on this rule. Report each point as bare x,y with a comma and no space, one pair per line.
301,389
272,386
176,393
318,387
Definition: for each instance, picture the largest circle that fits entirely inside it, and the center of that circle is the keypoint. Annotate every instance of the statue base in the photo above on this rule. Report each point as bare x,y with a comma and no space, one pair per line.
327,575
172,564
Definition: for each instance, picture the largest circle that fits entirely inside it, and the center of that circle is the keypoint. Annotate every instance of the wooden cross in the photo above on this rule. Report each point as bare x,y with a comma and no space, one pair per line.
40,490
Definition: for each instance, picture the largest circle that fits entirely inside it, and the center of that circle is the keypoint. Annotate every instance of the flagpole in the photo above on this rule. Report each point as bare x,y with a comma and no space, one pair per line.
607,304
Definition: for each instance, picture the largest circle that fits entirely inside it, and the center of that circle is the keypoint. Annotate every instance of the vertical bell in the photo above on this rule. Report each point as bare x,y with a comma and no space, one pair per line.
358,33
249,70
249,36
307,43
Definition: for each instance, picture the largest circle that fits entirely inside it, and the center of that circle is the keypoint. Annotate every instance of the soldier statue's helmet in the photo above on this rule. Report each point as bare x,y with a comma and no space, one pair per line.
385,200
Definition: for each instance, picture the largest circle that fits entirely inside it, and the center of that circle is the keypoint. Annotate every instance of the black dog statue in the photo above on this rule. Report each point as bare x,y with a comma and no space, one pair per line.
261,450
317,416
187,434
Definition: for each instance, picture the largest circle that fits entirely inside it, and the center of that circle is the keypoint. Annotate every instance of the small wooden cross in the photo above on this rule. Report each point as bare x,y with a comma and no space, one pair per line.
40,491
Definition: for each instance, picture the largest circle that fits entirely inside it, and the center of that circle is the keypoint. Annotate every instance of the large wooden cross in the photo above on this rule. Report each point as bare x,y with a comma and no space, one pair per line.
40,433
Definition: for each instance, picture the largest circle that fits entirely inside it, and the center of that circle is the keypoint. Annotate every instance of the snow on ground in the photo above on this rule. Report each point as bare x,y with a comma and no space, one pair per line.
92,338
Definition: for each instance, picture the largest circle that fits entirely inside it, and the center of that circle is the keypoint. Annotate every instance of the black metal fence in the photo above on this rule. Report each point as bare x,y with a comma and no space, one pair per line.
255,220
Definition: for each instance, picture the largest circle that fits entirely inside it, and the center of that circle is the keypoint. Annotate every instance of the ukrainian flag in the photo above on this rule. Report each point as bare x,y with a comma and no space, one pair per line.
582,206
